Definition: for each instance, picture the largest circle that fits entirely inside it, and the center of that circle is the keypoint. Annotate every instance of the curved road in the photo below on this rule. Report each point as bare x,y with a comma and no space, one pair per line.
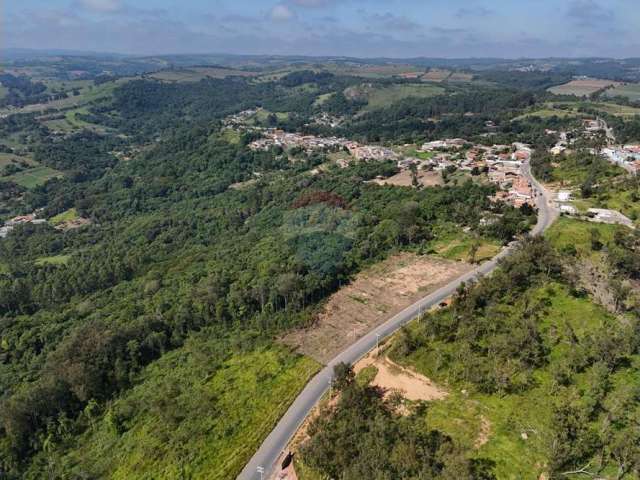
272,447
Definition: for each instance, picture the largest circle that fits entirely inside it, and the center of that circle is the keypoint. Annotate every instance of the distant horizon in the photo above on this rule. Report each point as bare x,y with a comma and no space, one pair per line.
72,52
352,28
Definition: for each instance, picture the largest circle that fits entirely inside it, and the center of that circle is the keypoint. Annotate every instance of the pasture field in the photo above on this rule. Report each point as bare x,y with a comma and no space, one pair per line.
436,75
376,71
548,113
33,177
9,158
384,97
617,110
581,88
197,74
629,90
323,98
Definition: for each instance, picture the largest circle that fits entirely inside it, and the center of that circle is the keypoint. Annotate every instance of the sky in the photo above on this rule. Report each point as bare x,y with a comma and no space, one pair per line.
358,28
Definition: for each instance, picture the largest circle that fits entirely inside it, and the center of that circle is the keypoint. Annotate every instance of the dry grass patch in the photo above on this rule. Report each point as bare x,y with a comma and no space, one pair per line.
582,88
375,295
404,179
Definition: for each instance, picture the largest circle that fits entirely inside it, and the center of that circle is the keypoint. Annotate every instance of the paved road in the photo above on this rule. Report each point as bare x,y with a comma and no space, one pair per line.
277,441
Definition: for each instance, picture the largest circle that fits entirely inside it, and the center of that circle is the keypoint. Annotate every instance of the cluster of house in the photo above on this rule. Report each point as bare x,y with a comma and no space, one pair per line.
502,163
275,137
625,156
9,225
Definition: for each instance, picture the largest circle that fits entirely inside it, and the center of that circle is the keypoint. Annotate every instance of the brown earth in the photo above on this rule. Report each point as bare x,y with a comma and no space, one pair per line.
374,296
393,377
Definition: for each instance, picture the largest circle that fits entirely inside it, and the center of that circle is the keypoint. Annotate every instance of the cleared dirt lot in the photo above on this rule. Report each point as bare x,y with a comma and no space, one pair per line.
393,377
374,296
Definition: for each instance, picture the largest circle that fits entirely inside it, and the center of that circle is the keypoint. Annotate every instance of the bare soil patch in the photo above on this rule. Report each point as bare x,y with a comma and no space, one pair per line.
374,296
393,377
485,432
403,179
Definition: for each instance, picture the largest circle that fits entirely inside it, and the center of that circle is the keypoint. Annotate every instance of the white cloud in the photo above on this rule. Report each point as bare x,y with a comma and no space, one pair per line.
103,6
281,13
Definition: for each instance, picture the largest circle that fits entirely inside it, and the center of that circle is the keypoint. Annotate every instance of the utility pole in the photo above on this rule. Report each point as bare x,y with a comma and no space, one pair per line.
377,343
260,470
330,388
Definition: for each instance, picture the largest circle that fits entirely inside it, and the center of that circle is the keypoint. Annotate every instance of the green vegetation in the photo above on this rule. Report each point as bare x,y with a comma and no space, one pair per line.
464,247
95,320
33,177
172,416
143,345
387,96
363,436
630,91
54,260
568,234
541,380
63,217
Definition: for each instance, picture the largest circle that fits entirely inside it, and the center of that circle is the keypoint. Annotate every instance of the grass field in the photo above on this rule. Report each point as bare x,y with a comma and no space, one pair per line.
262,115
457,246
33,177
570,171
63,217
374,71
618,110
384,97
629,90
323,98
548,113
196,420
9,158
566,232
